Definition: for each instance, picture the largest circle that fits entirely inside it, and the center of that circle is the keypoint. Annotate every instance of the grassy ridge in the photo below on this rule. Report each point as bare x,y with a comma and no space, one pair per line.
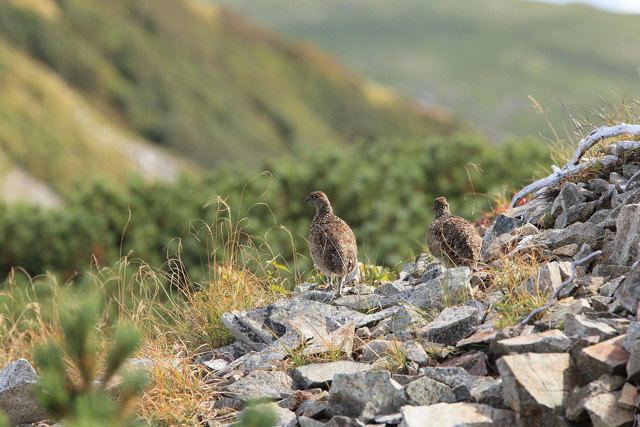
195,79
481,58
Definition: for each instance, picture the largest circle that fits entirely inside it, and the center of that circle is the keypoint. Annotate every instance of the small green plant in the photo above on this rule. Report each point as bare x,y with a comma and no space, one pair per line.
80,395
396,358
374,275
257,414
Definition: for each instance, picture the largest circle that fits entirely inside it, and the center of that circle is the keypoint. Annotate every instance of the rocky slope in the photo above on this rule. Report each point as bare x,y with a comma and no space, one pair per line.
431,348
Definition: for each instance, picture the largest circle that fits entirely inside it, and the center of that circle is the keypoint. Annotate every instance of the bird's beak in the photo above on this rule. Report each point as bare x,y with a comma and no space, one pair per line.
307,199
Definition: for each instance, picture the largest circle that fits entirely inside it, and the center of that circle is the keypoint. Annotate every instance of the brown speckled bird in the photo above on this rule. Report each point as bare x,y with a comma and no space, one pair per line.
453,239
331,242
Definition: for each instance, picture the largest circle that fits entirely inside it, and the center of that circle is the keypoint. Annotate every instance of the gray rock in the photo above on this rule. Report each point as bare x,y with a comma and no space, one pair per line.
607,357
320,374
389,419
415,269
604,411
364,303
451,325
459,380
389,288
304,287
259,327
456,394
577,213
577,233
547,280
532,212
575,410
415,352
628,397
16,398
425,391
261,384
313,408
316,295
551,341
490,393
474,362
424,296
295,400
633,364
600,303
271,355
342,421
284,417
627,239
609,289
585,250
310,422
374,318
229,353
536,386
456,415
599,185
568,197
379,348
359,289
567,251
382,329
351,392
578,326
216,364
406,320
503,224
602,217
628,293
632,335
433,271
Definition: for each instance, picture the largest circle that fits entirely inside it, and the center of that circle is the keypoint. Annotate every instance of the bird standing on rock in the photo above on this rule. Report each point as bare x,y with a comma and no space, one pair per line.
453,239
331,242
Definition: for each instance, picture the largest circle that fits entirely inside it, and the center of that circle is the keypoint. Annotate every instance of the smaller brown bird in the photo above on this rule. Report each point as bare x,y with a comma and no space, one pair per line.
331,242
453,239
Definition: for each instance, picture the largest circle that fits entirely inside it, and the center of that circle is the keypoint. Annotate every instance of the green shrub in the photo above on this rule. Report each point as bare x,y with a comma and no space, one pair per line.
80,397
384,191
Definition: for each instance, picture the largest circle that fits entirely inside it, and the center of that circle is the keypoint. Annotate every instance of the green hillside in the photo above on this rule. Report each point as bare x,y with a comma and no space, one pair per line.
481,58
80,76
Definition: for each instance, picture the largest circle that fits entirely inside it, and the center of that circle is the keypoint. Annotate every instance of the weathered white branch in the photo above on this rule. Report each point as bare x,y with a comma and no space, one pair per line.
574,165
600,134
555,294
542,184
633,182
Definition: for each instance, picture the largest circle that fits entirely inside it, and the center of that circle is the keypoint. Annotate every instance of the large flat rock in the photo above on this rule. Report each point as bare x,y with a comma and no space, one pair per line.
551,341
321,374
261,326
351,393
536,386
456,415
451,325
261,384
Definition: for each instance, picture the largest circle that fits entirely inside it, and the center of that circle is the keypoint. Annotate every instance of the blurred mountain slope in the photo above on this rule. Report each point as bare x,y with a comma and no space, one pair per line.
81,76
52,139
481,58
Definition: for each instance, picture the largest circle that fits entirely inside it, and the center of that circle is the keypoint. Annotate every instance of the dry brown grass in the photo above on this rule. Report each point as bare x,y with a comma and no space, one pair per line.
508,274
178,317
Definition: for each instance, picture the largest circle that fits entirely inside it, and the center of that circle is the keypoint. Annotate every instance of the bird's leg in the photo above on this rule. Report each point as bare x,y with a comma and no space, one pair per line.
338,290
